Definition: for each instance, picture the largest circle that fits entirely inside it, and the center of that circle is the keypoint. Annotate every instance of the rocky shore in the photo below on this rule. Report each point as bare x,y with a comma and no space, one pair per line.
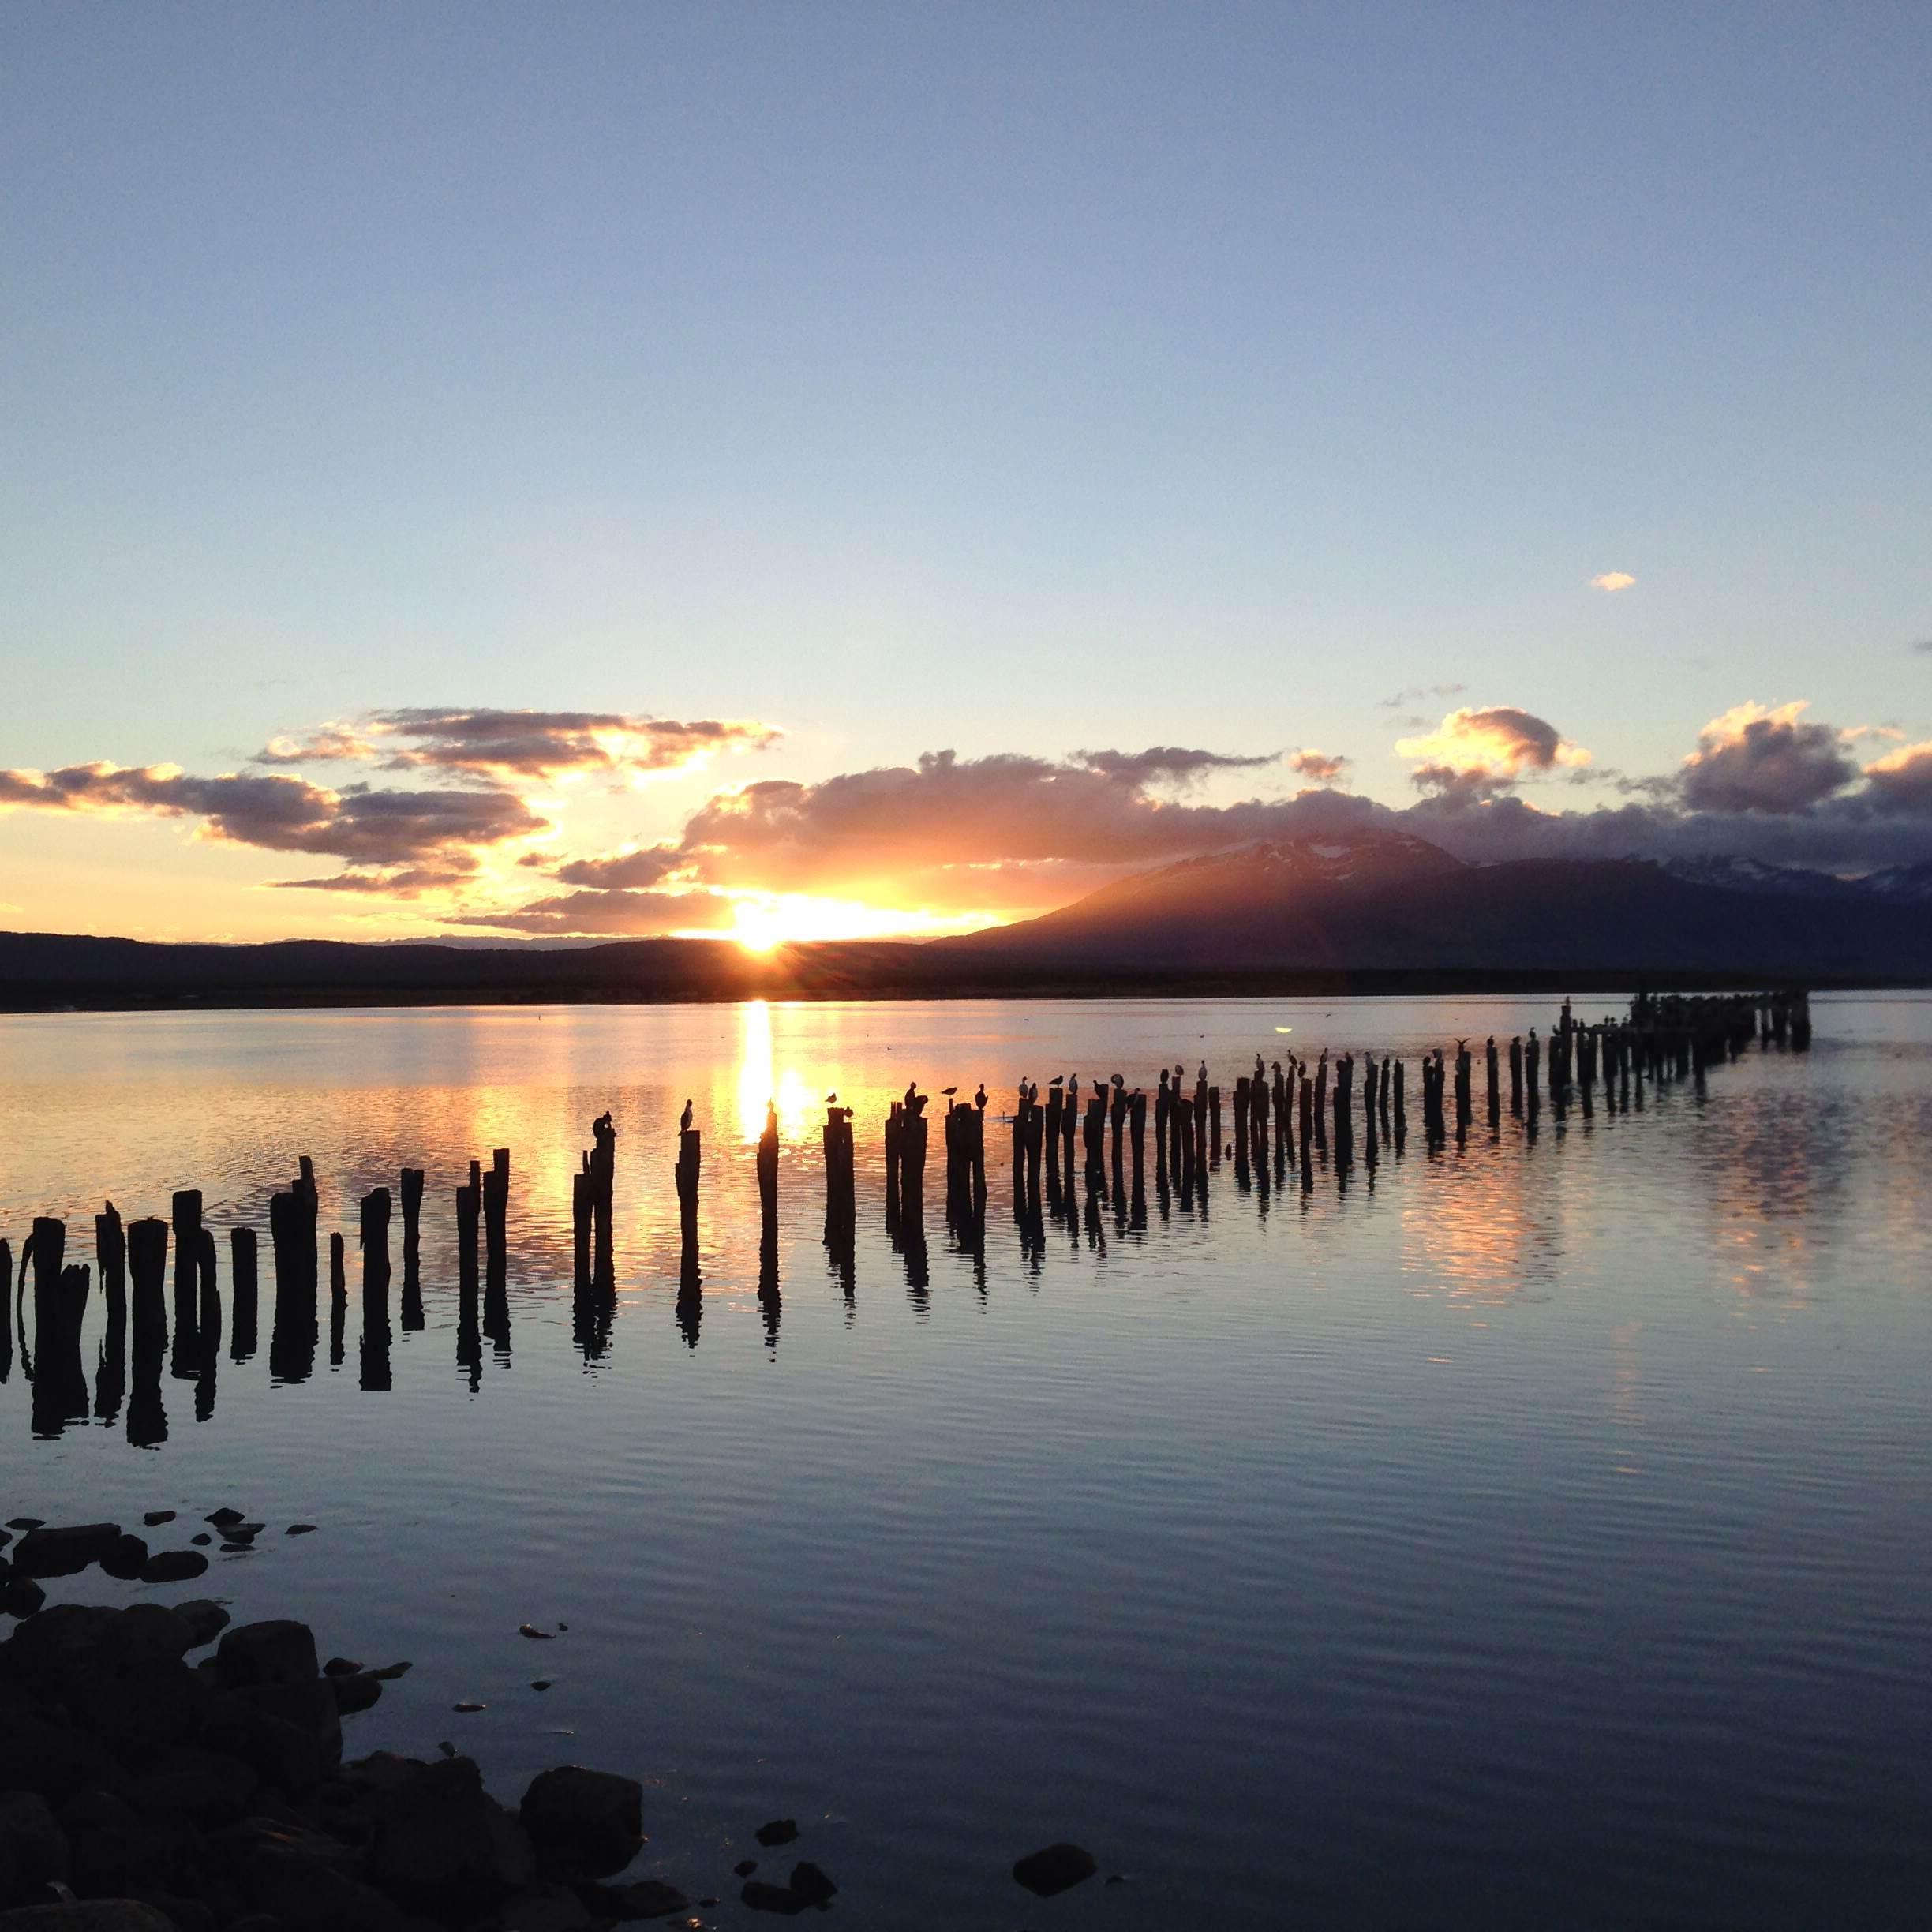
163,1768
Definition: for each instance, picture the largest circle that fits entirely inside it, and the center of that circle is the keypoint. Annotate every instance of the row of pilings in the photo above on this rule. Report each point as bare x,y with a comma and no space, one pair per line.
1067,1145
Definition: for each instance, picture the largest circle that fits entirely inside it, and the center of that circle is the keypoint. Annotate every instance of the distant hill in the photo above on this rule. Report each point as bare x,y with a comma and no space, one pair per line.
1375,910
1378,902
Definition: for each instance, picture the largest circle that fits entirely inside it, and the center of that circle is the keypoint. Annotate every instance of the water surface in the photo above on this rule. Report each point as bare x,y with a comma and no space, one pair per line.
1527,1533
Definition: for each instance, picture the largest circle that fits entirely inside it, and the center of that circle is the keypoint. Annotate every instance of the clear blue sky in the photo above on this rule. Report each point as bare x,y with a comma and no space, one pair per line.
1010,378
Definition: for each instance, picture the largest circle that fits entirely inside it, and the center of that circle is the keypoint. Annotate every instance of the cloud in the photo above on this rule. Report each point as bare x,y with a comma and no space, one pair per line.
1167,765
367,827
620,870
1478,751
1006,829
1752,759
612,915
1901,781
1920,644
1410,693
1612,581
485,743
1323,767
1851,734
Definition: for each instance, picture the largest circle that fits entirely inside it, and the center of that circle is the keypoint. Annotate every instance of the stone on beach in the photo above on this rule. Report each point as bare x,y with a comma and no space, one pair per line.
584,1824
777,1831
174,1567
278,1651
1055,1868
65,1551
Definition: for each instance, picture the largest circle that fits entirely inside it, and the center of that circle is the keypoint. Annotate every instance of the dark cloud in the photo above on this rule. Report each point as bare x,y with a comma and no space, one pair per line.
1410,693
623,869
487,743
1901,781
1323,767
1920,644
1167,765
366,827
1755,760
633,915
398,882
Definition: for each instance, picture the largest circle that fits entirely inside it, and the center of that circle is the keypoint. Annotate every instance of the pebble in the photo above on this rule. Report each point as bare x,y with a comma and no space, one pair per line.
530,1629
539,1683
154,1518
468,1705
389,1671
777,1831
300,1529
744,1868
201,1538
221,1518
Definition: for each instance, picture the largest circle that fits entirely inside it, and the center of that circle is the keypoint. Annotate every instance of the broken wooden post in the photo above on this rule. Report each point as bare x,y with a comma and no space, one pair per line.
411,1193
495,1213
245,1287
768,1172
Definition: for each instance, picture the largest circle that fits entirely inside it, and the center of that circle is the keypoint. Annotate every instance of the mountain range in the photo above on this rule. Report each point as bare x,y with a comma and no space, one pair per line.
1377,911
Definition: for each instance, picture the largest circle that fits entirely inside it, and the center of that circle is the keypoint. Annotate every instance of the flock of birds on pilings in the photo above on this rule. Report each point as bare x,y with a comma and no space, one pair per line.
1079,1157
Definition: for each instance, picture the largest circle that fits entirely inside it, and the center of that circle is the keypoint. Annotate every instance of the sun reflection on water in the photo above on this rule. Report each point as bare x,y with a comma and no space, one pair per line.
760,1081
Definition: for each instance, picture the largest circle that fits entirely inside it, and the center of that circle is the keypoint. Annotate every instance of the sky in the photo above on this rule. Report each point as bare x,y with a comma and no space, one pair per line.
794,470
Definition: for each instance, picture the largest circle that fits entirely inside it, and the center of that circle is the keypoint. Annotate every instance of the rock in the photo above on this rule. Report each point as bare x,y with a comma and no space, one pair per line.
643,1898
770,1898
777,1831
24,1522
88,1915
390,1670
64,1552
1056,1868
221,1518
300,1529
539,1683
340,1666
238,1549
21,1597
744,1868
810,1882
544,1908
143,1635
206,1620
126,1557
290,1734
173,1567
201,1539
306,1894
469,1707
440,1844
33,1848
354,1691
586,1823
530,1629
281,1652
55,1760
207,1788
154,1518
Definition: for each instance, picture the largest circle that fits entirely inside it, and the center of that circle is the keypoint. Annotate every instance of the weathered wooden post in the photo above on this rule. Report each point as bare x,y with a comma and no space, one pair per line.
1464,1099
842,1200
373,1238
581,1185
767,1174
410,1193
243,1278
690,1160
496,1215
1516,1075
6,1309
469,1211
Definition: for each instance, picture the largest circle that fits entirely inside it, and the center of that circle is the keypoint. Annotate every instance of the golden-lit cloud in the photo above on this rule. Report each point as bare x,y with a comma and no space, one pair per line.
1612,581
1478,750
1901,781
1322,767
487,742
1764,758
379,830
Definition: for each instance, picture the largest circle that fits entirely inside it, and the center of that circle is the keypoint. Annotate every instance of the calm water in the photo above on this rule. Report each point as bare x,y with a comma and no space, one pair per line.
1524,1535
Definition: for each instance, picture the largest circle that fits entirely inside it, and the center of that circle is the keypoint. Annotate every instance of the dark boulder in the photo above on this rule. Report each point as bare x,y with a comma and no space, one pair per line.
440,1844
643,1898
584,1824
126,1557
207,1788
174,1567
55,1760
810,1882
283,1652
144,1634
88,1915
65,1551
355,1691
21,1597
33,1848
205,1619
222,1518
1056,1868
290,1734
770,1898
777,1831
154,1518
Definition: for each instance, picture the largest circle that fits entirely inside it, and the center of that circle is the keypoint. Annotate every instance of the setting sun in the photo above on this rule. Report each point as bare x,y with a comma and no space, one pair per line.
761,921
